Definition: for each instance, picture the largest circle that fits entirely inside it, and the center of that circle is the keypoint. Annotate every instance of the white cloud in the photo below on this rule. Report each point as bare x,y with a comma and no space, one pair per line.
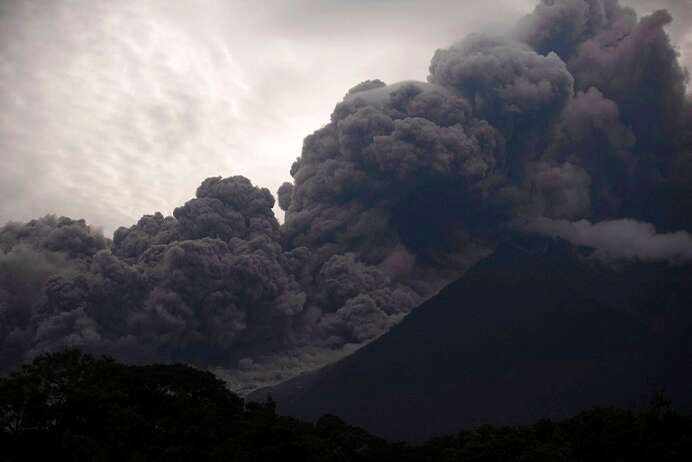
620,239
113,109
116,108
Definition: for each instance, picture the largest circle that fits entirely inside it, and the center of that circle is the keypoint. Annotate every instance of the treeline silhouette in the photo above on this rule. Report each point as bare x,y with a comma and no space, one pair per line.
74,406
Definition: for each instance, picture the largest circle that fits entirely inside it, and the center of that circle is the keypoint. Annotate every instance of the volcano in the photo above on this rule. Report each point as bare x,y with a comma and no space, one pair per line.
539,329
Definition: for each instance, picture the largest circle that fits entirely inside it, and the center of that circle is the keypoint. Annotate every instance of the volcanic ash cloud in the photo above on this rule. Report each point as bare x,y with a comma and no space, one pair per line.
580,114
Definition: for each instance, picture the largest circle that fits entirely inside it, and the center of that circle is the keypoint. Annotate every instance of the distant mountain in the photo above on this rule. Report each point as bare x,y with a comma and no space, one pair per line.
537,330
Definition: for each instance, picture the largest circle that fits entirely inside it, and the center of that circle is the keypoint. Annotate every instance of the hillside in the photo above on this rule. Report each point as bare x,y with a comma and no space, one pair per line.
537,330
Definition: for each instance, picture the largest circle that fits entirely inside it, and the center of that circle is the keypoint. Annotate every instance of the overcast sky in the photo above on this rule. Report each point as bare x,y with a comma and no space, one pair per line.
112,109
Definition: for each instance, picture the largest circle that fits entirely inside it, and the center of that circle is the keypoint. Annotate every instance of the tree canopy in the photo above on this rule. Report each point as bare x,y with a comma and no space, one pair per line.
74,406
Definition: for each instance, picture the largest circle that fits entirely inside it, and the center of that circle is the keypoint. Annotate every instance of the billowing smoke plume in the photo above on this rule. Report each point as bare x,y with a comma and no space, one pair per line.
581,114
196,286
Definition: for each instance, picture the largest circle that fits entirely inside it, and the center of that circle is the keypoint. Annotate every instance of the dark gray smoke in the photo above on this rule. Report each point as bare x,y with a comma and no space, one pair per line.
630,117
197,286
581,114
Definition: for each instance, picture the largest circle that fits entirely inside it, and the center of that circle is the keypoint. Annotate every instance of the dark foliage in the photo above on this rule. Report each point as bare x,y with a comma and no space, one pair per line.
73,406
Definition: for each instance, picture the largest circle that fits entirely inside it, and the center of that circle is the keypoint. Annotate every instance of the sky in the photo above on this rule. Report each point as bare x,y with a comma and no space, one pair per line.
113,109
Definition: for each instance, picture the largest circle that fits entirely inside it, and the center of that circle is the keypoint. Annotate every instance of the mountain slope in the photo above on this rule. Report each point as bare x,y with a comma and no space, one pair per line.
533,331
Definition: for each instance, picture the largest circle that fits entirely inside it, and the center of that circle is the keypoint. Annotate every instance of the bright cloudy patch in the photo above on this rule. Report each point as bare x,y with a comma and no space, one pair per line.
114,109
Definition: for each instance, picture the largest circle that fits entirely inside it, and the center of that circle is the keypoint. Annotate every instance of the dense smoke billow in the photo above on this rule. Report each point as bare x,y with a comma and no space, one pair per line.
580,114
